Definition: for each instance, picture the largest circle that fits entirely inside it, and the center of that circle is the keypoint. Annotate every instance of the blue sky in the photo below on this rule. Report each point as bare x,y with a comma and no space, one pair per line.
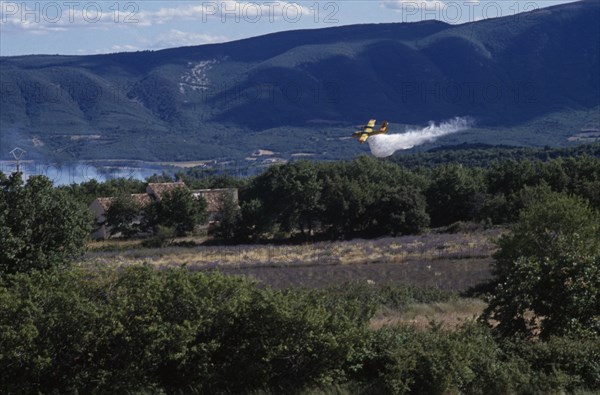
92,27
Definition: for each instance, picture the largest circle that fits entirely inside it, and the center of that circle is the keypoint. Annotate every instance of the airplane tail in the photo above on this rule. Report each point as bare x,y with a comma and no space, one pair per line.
384,127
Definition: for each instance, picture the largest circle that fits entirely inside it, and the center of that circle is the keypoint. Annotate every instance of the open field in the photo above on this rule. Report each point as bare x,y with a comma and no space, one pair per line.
446,261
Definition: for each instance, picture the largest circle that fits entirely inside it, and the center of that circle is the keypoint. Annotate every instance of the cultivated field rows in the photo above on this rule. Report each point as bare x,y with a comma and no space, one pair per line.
447,261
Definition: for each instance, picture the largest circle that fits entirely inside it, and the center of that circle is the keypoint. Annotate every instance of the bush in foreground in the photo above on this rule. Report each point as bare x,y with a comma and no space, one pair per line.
104,331
470,360
40,226
139,330
547,271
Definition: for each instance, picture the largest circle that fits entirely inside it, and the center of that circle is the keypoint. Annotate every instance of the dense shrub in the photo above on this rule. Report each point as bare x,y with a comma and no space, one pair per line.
409,360
141,330
469,360
108,331
387,295
566,363
40,226
547,271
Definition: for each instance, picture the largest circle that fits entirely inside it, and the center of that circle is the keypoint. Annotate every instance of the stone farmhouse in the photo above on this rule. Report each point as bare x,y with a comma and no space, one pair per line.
155,192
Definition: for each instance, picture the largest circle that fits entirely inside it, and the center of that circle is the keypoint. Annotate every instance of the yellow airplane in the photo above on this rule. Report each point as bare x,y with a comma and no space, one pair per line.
367,131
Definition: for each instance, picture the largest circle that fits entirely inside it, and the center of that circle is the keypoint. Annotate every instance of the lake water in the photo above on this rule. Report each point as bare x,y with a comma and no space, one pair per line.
70,173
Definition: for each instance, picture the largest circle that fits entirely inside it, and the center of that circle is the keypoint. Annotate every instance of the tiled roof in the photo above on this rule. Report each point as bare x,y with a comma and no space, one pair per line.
159,189
214,197
141,198
105,202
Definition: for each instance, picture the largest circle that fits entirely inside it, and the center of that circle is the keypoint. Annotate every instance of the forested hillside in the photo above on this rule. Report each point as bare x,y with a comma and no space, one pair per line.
530,79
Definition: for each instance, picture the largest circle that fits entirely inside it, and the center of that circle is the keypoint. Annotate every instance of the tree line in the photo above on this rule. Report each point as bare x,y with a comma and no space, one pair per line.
483,155
368,197
365,197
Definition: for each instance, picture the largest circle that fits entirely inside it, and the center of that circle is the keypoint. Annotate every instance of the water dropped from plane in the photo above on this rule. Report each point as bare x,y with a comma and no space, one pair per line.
385,145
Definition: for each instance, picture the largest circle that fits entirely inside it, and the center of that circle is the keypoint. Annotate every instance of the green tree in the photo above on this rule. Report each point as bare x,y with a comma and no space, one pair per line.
228,219
369,197
508,177
292,194
87,191
40,226
178,210
584,177
547,270
451,194
254,221
124,216
346,203
401,211
202,178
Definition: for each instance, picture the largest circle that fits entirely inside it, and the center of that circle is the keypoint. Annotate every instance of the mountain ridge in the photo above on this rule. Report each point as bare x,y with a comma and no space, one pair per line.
529,79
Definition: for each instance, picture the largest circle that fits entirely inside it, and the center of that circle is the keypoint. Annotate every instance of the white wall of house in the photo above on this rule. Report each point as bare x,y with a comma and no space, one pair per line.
212,196
98,210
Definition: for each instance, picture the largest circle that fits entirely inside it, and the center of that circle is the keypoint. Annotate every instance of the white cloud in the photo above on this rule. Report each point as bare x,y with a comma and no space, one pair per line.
230,10
167,14
178,38
125,48
173,38
43,18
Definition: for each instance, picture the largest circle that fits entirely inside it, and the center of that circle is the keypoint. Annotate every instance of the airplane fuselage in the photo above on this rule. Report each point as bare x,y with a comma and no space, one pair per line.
368,131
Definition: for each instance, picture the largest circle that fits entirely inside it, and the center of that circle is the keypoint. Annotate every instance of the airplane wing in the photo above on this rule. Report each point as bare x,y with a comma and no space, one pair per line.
369,127
368,131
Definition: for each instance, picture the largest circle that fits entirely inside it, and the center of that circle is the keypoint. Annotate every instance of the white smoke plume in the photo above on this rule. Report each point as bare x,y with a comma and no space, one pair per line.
384,145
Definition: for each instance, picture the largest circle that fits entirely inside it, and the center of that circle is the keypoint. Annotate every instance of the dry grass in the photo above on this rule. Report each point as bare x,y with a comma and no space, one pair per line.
354,252
449,314
120,245
113,244
446,261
